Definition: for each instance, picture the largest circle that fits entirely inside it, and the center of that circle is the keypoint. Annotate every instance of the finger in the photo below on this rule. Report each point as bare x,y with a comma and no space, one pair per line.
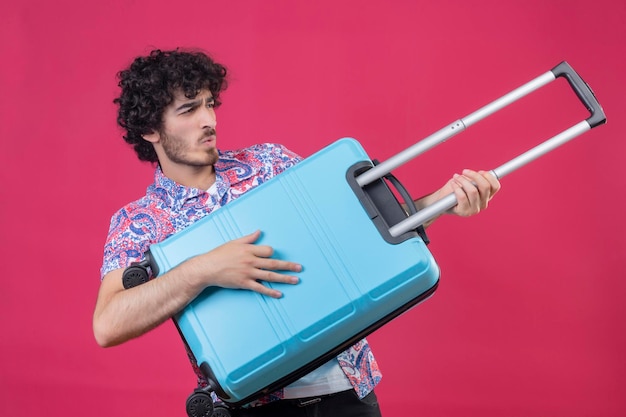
262,289
494,183
462,200
271,276
277,265
479,179
482,185
263,251
251,238
469,187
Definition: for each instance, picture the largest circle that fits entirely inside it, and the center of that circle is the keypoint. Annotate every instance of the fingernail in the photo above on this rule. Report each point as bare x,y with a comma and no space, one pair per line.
294,280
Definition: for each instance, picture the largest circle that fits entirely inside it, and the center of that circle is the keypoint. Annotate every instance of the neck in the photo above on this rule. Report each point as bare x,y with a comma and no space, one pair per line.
201,177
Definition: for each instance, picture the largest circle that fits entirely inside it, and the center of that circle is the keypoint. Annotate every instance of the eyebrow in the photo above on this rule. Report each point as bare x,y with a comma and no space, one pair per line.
188,105
194,103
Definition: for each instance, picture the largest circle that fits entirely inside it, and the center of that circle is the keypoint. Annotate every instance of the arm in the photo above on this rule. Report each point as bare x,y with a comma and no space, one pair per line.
121,315
473,191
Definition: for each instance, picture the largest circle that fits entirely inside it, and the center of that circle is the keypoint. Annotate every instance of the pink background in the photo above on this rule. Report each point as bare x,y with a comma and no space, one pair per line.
529,316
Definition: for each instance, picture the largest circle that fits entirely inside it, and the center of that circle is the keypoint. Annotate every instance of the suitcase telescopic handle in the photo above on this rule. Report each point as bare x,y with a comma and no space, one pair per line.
562,70
582,90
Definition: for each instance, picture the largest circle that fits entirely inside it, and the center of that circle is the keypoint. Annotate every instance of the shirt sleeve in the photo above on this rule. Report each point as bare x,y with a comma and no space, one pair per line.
119,249
283,158
133,229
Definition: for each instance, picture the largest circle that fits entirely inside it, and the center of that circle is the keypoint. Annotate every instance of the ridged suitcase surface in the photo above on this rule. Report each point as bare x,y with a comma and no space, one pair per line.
352,281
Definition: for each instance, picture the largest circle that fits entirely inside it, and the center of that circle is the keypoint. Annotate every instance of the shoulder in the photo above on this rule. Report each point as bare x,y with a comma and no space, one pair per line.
262,152
133,229
262,162
143,217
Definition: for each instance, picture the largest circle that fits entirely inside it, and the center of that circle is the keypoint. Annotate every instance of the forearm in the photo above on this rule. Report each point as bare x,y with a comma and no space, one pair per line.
121,315
422,202
472,191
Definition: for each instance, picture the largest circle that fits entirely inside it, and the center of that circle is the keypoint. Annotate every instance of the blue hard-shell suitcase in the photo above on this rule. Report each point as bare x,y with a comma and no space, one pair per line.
353,276
365,260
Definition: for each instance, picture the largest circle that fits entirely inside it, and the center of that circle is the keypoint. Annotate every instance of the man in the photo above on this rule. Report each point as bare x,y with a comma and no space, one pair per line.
167,107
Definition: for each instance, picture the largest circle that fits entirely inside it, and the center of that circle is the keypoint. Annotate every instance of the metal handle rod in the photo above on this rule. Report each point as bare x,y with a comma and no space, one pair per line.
452,129
405,156
541,149
509,98
449,201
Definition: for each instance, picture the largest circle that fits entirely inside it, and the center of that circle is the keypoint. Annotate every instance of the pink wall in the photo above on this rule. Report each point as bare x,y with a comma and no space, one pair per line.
529,317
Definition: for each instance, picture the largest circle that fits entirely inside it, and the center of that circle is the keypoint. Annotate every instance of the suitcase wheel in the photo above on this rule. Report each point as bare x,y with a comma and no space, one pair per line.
221,411
134,275
200,404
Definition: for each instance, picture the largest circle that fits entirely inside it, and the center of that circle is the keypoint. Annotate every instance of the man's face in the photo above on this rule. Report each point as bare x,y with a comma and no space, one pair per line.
188,135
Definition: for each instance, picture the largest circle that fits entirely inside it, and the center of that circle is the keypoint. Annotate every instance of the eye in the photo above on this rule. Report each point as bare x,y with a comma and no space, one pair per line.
210,103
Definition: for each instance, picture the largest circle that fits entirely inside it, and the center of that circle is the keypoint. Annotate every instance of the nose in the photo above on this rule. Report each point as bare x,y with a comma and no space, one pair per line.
207,117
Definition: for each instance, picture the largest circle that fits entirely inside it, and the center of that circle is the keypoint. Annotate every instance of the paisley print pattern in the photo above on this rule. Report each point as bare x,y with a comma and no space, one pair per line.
169,207
360,367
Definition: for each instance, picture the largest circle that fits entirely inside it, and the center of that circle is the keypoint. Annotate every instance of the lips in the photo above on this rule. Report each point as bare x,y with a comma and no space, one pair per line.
209,138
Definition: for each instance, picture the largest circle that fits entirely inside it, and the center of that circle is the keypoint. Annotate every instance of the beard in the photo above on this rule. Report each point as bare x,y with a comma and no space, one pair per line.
178,151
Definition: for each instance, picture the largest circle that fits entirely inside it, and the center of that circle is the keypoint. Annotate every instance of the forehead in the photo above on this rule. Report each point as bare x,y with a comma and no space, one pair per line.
179,96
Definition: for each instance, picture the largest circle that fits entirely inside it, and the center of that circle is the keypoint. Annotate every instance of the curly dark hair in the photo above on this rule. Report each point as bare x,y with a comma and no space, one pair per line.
148,87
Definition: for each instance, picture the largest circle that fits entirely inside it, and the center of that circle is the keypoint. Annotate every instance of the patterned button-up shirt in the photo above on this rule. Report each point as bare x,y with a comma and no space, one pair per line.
169,207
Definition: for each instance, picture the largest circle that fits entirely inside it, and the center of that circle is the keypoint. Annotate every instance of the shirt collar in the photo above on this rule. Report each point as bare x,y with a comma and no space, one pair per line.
175,195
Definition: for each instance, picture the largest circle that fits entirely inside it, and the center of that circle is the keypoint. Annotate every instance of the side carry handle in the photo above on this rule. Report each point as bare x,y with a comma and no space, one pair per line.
584,93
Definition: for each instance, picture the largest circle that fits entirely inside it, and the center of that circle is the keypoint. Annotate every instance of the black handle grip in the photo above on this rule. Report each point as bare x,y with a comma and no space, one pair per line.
583,91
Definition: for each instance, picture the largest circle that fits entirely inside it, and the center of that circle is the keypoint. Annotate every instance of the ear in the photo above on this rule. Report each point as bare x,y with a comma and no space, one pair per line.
152,137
